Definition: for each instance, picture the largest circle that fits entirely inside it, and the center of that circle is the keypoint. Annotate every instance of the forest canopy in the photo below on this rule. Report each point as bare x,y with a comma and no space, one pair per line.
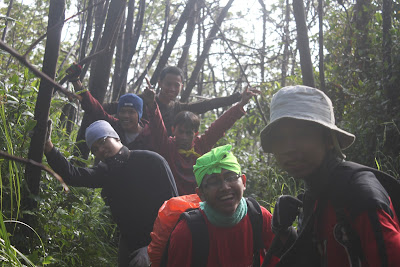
348,49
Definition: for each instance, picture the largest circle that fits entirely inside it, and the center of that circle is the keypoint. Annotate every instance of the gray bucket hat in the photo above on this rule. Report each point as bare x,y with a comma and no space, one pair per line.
303,103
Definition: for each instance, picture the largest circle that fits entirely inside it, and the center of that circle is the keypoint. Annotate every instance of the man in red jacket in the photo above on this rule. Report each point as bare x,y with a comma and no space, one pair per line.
182,150
226,215
347,220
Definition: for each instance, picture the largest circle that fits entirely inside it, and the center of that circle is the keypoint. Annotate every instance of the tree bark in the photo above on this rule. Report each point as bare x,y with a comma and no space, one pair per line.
200,61
42,108
190,27
171,43
303,43
131,49
321,45
387,53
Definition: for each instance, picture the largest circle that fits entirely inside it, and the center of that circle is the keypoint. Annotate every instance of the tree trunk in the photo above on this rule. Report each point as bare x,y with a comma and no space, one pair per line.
321,45
204,54
362,17
171,43
101,73
285,40
131,48
101,66
119,58
387,53
190,27
56,16
264,32
303,43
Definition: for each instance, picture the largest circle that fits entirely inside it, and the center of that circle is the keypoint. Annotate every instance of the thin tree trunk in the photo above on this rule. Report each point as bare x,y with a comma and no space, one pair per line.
285,40
190,27
206,49
101,74
131,49
303,43
387,52
10,5
321,45
171,43
264,32
56,15
119,58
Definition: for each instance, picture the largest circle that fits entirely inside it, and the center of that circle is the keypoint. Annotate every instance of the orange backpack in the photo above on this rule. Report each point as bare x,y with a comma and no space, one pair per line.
168,216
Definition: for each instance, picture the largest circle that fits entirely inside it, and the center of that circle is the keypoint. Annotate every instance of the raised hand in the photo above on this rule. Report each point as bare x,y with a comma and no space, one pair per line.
247,94
149,95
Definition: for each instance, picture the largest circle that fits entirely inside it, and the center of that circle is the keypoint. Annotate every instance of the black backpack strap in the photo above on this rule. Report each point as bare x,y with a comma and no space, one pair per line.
256,219
200,239
348,237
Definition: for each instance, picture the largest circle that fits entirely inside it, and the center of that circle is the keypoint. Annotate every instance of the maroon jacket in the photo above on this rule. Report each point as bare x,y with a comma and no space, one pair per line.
181,165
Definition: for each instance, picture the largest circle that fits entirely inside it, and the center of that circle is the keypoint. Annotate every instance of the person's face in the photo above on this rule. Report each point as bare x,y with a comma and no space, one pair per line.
183,136
128,118
105,147
170,86
223,191
299,146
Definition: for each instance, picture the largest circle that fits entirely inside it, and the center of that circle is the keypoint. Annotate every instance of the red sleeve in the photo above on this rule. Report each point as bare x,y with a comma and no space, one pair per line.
380,238
218,128
180,246
95,109
159,136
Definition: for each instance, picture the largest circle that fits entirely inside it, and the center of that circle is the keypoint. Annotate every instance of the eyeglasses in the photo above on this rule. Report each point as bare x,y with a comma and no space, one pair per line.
214,181
100,142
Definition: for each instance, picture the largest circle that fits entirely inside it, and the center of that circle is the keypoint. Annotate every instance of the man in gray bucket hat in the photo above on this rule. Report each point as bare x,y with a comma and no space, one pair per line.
345,217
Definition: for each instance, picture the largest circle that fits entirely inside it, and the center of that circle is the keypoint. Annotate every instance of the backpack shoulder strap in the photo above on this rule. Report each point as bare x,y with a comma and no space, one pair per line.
256,220
200,239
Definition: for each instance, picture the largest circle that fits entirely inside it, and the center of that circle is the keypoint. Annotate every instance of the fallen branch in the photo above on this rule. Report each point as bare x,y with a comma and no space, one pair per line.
32,162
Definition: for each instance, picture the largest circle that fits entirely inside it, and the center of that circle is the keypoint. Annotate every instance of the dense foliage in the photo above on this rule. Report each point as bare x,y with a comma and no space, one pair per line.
76,229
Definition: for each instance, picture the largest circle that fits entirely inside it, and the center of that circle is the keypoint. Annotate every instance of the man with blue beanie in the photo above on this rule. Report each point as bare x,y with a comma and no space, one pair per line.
127,179
133,131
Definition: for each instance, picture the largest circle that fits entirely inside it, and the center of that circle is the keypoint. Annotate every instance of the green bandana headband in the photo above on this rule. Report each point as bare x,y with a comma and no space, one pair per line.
214,161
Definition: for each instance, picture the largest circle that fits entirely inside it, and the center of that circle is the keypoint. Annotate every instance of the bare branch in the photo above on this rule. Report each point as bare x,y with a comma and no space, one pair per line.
37,164
37,72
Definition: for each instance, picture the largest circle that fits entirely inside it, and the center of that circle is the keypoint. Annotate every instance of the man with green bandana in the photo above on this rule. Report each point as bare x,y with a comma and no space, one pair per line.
226,215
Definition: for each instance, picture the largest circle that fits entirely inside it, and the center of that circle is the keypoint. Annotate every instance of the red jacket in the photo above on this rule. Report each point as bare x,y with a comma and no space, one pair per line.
181,165
231,246
368,210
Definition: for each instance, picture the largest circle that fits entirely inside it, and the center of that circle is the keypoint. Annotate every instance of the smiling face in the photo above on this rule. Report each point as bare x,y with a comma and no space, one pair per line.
183,136
299,146
223,191
128,119
170,86
105,147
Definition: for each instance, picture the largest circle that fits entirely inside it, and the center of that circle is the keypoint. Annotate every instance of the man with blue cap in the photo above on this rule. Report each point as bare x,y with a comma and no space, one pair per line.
128,123
127,179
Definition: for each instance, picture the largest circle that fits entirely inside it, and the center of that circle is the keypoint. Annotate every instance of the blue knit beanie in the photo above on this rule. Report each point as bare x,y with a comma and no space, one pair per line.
97,130
133,101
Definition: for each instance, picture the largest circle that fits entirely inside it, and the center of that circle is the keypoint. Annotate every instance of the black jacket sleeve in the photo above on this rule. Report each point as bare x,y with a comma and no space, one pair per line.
76,176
